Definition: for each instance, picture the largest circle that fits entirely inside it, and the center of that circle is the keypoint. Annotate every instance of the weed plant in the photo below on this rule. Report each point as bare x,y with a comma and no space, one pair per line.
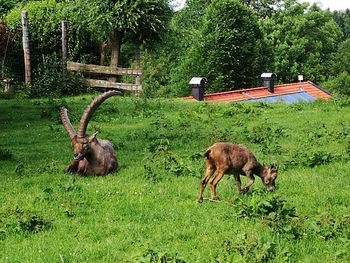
147,210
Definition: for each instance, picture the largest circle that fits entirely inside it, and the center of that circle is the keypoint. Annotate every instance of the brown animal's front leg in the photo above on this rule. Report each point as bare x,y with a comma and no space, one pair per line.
83,167
238,182
251,180
219,174
73,167
208,173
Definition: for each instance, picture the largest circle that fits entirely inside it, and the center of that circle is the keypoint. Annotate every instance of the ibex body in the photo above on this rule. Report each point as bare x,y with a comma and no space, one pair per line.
92,156
235,159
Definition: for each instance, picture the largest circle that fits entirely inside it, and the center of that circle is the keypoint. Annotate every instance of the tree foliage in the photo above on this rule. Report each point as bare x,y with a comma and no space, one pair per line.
343,20
341,62
141,20
231,42
163,73
7,5
263,7
304,40
227,48
45,45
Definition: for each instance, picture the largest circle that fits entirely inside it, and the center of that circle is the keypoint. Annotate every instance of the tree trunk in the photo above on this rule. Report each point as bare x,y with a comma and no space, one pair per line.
115,42
102,53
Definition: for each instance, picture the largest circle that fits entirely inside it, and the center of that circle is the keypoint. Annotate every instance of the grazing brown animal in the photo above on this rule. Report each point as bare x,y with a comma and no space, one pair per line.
92,156
238,160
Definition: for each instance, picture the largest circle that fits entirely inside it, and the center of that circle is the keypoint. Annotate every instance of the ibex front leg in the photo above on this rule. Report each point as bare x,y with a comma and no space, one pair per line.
251,180
238,182
73,167
83,167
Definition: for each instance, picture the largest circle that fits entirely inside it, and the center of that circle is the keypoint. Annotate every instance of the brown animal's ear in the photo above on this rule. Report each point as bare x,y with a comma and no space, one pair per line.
274,167
92,137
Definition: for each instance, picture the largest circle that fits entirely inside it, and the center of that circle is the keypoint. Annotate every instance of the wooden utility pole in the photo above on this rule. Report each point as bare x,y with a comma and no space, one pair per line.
26,51
64,44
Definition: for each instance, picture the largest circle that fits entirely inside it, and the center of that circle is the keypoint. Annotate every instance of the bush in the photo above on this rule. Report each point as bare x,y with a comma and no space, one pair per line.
23,222
339,84
51,81
248,248
5,154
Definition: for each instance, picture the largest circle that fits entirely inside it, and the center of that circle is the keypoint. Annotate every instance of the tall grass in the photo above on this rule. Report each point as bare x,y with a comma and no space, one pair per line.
147,211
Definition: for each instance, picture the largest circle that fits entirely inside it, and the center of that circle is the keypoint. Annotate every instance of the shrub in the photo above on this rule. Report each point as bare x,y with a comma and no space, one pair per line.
153,256
51,81
339,84
23,222
274,211
310,158
249,248
5,154
328,227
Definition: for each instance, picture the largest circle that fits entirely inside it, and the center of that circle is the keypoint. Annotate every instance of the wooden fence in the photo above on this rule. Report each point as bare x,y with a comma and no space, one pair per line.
105,72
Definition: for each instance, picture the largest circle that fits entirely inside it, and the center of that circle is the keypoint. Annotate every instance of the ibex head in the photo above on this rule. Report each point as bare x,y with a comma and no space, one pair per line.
86,146
82,146
269,177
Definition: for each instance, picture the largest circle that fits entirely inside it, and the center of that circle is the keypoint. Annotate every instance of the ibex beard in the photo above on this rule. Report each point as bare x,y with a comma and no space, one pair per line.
92,156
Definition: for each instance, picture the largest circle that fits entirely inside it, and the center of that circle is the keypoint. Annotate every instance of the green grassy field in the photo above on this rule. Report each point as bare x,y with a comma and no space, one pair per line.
147,211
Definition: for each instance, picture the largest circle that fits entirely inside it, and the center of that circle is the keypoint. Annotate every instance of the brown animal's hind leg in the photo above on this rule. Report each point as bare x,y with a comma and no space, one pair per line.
219,174
251,180
210,168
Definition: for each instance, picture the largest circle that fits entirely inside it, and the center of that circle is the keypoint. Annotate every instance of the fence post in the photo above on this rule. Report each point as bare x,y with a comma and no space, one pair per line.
26,50
64,44
138,61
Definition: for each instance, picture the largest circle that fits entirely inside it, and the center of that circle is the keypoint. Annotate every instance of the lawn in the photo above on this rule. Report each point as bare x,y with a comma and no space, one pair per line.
147,211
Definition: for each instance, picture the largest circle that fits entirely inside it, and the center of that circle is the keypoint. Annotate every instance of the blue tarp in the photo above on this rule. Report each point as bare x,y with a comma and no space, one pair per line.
288,98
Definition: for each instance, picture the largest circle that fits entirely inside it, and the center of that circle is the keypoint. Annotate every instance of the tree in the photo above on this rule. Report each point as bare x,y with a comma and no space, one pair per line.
140,20
304,40
341,61
7,5
227,50
343,20
263,7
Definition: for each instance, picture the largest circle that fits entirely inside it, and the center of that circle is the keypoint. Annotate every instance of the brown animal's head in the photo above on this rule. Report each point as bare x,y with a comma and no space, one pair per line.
269,177
82,146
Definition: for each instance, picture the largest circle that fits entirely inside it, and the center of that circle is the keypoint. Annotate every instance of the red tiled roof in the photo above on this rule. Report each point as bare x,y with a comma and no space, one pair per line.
262,92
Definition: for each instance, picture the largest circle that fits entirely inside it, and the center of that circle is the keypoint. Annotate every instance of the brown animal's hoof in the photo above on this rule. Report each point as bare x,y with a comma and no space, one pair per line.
200,200
243,191
69,171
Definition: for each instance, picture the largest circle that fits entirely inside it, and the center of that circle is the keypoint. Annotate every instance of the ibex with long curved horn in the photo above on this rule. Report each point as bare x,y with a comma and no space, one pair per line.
92,156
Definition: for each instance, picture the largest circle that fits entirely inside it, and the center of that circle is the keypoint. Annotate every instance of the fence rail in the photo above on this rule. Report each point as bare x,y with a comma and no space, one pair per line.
105,70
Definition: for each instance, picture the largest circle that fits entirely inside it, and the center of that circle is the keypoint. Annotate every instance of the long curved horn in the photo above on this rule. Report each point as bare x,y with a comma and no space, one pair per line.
91,108
66,123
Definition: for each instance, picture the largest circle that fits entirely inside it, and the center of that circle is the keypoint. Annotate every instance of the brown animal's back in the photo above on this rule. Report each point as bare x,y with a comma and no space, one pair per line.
235,157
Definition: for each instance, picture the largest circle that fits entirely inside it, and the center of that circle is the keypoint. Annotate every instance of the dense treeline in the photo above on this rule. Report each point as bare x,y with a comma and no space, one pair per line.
231,42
